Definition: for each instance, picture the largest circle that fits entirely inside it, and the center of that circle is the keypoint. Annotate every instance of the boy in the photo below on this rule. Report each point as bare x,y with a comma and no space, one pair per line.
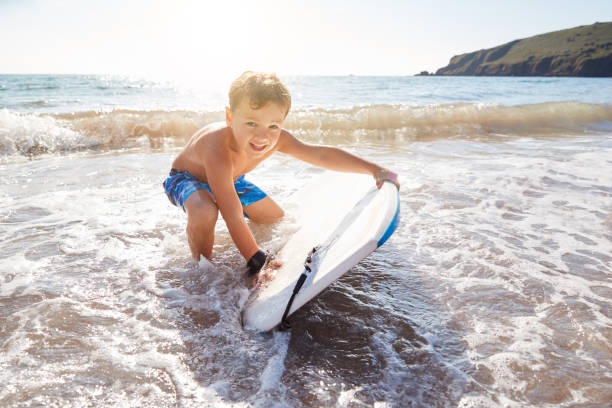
207,177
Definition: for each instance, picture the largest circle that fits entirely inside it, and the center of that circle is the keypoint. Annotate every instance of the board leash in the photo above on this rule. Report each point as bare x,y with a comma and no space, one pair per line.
284,324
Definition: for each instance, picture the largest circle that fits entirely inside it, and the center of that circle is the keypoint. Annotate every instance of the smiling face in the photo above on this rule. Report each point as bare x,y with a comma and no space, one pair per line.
256,131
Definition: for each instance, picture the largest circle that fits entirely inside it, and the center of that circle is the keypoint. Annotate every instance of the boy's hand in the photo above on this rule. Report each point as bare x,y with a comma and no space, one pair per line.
383,175
265,276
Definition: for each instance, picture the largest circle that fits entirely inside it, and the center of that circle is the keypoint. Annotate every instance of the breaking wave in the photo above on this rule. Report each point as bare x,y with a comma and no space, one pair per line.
33,134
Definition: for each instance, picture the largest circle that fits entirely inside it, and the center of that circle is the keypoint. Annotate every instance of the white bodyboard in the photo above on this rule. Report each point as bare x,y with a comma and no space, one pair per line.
346,217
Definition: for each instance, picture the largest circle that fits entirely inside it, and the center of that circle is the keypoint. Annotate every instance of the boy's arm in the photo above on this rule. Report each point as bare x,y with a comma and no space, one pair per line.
333,158
218,165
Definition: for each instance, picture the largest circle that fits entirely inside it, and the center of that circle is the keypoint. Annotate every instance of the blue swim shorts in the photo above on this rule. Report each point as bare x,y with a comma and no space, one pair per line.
180,184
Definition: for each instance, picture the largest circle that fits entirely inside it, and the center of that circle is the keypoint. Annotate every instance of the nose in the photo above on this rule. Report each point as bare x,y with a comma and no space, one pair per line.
261,133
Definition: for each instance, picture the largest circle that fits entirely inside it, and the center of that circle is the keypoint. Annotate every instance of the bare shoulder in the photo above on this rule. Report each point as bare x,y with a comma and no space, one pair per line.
285,141
293,146
210,137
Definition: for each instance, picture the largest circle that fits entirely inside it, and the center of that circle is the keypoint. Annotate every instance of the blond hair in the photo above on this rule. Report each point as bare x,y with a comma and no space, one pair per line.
259,88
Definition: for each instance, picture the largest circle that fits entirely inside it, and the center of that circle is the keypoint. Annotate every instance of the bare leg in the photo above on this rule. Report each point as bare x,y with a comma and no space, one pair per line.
264,211
202,214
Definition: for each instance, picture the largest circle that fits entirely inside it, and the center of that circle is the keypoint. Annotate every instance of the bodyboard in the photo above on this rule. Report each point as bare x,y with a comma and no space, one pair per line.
345,217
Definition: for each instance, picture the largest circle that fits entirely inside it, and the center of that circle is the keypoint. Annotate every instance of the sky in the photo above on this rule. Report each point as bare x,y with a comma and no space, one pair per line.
212,39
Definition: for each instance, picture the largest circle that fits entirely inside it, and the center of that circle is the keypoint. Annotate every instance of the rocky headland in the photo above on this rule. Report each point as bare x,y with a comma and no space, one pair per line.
580,51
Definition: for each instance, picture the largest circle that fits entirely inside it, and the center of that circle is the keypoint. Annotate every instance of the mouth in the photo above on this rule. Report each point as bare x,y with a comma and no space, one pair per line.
258,147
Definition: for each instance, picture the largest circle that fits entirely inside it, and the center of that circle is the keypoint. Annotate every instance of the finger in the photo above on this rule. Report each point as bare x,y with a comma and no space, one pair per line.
252,281
275,263
395,179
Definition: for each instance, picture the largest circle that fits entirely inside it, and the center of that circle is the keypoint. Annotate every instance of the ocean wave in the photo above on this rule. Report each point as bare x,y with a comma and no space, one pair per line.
37,87
453,121
30,134
38,103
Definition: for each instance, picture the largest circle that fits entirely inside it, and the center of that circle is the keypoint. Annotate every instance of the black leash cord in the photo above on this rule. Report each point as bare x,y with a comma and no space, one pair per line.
284,324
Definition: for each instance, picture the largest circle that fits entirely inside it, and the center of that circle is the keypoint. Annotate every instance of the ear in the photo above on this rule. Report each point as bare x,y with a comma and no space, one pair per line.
228,116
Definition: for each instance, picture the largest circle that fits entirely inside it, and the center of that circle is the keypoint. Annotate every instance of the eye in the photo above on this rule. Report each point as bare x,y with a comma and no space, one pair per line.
273,127
251,124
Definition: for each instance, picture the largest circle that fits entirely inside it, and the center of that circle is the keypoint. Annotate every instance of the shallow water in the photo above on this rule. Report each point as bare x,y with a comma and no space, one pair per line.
494,291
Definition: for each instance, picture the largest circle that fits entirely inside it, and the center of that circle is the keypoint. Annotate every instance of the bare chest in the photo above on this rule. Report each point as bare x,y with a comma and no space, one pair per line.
243,164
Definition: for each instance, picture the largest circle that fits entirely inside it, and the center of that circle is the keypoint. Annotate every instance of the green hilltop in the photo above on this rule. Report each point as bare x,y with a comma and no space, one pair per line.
579,51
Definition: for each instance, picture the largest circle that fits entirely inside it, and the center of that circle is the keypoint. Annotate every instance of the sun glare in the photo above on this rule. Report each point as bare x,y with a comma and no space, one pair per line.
205,41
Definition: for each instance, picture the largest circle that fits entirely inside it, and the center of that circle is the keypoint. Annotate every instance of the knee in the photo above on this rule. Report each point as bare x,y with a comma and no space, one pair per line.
270,217
202,218
277,215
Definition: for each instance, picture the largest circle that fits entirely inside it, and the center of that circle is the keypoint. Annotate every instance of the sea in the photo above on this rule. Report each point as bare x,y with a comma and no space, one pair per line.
494,291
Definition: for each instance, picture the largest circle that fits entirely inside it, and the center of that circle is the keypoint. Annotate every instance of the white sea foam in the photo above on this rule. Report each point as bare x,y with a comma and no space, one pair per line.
495,284
28,134
23,134
275,366
493,291
17,274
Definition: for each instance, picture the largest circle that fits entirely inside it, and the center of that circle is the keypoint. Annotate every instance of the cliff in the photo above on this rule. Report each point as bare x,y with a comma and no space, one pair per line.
580,51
